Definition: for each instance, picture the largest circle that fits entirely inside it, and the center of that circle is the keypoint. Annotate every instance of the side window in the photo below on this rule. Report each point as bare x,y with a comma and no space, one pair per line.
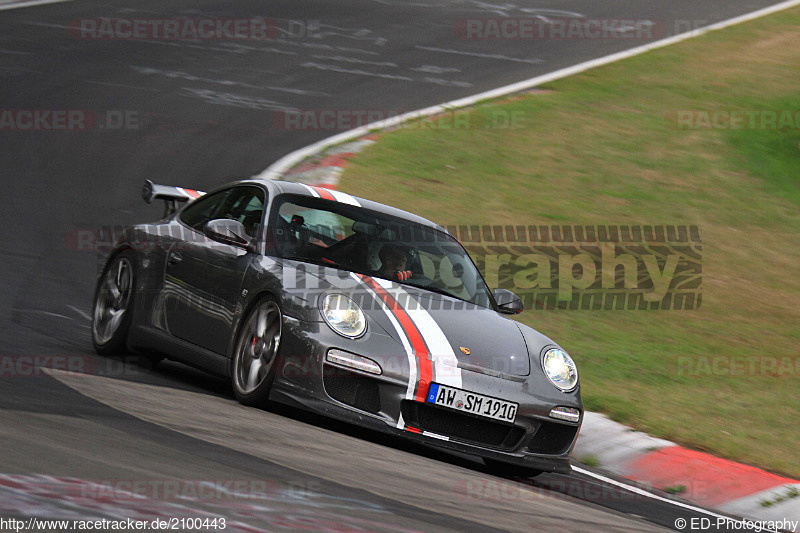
245,205
203,209
325,228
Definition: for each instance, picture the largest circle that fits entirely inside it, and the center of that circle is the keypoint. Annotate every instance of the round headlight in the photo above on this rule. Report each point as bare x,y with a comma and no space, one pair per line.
560,369
344,316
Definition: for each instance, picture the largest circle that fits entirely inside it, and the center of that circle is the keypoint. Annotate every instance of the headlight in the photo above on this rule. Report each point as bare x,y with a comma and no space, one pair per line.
560,369
344,316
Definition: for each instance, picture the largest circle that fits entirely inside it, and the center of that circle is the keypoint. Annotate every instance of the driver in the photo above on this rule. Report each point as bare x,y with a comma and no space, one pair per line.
393,264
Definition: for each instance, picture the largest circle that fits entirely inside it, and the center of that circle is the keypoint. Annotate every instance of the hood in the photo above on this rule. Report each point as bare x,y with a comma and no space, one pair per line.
480,338
493,342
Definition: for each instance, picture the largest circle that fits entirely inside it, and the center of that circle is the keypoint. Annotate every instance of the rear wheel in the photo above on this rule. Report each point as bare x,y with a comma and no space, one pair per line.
113,306
257,344
499,468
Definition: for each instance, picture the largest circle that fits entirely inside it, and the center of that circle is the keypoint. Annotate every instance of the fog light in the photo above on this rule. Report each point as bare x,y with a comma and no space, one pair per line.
351,360
570,414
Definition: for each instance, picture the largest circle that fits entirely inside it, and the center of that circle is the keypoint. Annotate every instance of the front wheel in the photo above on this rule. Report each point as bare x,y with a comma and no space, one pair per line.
499,468
113,306
253,363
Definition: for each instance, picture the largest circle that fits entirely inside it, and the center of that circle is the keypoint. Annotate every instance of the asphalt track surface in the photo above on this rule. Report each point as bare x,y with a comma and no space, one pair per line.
199,114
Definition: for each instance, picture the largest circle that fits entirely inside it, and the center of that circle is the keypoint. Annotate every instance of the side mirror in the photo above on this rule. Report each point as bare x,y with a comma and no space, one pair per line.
508,302
228,231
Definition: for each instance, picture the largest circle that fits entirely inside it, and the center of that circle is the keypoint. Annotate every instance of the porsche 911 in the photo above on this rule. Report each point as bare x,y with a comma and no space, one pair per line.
328,302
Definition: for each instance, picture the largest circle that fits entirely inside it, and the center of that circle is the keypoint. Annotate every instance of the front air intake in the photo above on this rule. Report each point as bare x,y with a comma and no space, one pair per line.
351,388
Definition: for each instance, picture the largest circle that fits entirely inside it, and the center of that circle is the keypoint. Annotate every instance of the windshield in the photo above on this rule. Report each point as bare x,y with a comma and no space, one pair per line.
355,239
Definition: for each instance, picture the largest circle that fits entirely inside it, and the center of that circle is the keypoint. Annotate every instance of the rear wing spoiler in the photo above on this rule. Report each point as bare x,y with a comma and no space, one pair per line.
170,194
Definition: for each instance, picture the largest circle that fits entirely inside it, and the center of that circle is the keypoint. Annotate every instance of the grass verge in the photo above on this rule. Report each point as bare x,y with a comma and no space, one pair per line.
607,147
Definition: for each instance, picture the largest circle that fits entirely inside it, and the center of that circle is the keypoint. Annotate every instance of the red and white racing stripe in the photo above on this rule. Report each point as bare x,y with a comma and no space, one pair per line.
330,194
430,355
191,193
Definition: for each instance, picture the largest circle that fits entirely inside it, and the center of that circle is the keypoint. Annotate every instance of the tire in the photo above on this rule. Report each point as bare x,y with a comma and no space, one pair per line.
499,468
112,309
254,354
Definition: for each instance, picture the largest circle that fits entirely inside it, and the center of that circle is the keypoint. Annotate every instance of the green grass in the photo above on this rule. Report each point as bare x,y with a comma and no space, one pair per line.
604,147
771,154
791,492
675,489
590,460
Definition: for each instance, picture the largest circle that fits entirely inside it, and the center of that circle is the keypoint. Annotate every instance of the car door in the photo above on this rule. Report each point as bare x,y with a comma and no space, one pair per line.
203,277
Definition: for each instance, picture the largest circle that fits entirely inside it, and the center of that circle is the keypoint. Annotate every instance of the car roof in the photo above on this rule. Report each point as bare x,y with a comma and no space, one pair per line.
290,187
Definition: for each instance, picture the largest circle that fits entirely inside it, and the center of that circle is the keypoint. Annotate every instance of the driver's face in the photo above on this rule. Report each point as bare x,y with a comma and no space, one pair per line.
395,262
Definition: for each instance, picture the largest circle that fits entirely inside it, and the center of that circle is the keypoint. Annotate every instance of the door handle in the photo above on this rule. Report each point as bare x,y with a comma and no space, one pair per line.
174,258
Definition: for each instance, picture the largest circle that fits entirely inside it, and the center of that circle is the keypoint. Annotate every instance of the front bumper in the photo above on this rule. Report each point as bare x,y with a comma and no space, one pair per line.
535,440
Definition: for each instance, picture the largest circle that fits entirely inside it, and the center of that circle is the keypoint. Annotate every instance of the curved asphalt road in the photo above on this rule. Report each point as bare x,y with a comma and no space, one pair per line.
201,113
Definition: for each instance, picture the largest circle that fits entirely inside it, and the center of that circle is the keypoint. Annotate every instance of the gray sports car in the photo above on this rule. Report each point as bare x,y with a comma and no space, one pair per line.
343,306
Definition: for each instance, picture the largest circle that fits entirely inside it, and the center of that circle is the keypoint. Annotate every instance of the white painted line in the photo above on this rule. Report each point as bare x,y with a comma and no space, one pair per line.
81,312
30,3
45,313
642,492
279,167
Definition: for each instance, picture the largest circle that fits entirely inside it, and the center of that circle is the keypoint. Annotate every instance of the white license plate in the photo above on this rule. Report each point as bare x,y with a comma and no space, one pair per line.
470,402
